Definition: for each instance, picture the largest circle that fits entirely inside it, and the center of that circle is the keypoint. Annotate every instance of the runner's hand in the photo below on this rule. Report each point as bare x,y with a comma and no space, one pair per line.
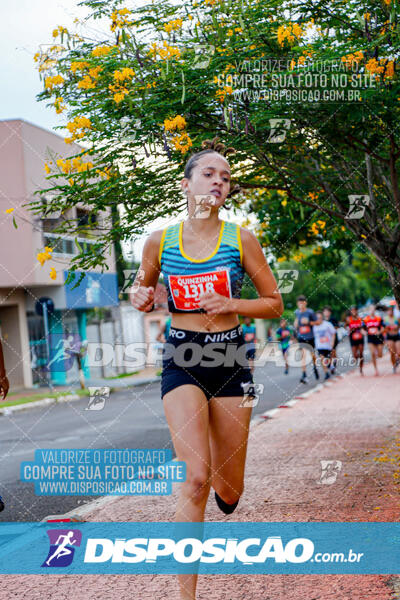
215,304
4,387
142,298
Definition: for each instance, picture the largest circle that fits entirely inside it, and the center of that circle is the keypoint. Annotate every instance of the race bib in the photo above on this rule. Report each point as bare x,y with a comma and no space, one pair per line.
324,339
248,337
304,329
187,289
357,335
285,333
373,330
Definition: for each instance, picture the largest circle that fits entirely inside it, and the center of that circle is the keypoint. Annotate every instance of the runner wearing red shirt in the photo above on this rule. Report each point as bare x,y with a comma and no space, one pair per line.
354,327
373,327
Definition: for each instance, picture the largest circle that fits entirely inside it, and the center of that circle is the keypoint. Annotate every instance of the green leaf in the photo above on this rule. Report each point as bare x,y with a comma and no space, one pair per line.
15,223
78,245
227,119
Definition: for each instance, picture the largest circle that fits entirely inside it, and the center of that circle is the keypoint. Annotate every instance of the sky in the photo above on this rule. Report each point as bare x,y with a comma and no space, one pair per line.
24,25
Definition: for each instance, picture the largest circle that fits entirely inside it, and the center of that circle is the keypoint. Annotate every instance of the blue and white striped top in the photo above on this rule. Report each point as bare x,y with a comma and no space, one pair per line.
179,269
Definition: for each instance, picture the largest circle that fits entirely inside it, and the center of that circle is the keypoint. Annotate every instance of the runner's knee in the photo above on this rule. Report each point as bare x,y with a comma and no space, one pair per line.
197,484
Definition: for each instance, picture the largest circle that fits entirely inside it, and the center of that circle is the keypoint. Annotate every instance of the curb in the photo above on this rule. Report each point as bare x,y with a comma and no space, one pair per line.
8,410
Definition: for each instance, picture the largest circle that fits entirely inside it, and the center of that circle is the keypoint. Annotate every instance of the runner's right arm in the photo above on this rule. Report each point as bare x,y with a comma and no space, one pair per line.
142,298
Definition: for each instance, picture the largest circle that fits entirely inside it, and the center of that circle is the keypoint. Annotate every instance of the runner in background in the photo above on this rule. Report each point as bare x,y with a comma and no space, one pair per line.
163,331
324,335
392,331
354,327
327,313
284,334
305,318
249,332
373,327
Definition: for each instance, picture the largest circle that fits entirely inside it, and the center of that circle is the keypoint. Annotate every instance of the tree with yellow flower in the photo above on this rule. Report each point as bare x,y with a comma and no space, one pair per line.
326,139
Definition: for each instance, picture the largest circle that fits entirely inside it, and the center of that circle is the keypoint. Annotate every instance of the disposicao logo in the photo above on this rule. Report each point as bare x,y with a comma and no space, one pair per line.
62,542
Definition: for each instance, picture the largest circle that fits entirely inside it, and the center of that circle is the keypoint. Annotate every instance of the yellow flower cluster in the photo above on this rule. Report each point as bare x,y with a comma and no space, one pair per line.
53,273
302,59
177,122
9,211
298,257
73,127
60,29
43,256
317,250
58,105
119,18
173,25
78,65
383,67
220,94
182,142
318,227
166,53
106,172
281,259
230,32
350,58
50,82
121,76
102,50
289,32
119,92
76,165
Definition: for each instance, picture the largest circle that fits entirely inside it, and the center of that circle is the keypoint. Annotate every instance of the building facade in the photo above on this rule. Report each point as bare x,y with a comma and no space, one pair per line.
42,320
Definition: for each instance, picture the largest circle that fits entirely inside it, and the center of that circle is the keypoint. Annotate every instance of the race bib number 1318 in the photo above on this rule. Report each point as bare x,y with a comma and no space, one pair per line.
187,289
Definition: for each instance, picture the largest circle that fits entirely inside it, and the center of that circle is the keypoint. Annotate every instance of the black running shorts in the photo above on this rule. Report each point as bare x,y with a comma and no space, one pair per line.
309,341
377,340
215,362
393,337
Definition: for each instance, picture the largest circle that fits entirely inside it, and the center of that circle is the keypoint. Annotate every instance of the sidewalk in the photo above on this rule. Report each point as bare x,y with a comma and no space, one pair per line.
31,396
355,421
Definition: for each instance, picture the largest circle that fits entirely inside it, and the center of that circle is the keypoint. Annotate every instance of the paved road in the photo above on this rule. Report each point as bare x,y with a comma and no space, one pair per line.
131,418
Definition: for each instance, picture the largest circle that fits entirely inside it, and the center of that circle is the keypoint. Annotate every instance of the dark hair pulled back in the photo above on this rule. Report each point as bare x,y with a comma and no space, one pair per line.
210,146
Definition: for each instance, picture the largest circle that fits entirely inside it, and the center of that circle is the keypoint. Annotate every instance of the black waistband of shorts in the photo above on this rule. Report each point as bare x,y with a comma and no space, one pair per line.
204,337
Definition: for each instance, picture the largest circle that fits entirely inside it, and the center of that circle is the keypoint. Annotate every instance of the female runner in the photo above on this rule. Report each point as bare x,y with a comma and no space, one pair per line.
203,260
354,327
373,327
392,330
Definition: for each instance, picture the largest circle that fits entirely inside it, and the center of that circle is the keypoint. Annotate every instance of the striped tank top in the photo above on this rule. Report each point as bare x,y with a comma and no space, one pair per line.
187,278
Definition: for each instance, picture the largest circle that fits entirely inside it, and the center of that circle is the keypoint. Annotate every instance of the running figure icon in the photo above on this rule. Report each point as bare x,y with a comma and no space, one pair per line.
62,549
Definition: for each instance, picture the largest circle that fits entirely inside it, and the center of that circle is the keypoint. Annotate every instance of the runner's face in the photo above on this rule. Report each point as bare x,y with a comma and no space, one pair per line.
211,176
302,305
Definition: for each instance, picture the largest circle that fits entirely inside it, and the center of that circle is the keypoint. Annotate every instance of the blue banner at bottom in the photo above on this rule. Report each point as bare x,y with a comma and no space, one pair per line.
205,548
